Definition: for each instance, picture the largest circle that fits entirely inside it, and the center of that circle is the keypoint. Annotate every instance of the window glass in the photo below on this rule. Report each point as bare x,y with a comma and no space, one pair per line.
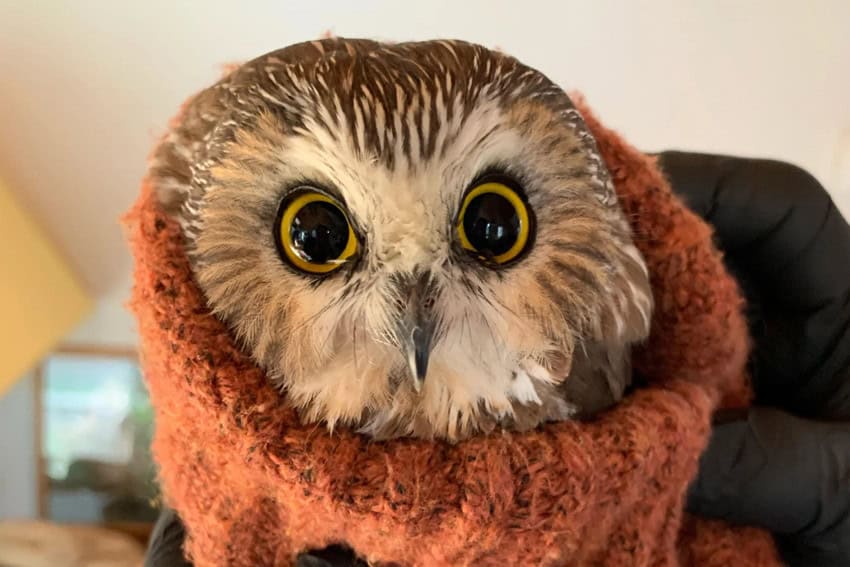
97,427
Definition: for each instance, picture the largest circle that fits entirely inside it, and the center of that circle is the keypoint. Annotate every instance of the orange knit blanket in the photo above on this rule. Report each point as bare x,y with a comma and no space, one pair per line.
255,487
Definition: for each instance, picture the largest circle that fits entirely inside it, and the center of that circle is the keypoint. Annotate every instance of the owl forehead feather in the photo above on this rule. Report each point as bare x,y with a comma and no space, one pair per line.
393,103
388,97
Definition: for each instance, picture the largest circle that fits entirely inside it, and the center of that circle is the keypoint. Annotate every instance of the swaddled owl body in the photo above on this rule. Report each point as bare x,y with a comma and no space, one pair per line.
415,239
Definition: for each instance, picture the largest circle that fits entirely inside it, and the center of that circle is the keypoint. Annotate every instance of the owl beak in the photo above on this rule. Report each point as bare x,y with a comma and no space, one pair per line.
416,329
419,352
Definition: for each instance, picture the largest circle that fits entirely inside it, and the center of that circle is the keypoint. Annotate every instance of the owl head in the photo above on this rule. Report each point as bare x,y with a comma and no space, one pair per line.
410,239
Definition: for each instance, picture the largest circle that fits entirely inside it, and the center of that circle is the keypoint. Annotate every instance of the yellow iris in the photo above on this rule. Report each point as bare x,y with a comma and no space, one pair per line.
301,213
520,210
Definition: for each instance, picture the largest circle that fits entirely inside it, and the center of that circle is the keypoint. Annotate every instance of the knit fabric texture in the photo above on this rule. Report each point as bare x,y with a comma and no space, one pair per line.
256,487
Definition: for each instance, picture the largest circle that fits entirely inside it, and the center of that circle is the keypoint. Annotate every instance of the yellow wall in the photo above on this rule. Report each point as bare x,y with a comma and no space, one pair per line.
40,300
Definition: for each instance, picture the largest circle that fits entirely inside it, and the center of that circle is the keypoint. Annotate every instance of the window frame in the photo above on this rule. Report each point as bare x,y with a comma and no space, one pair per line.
138,530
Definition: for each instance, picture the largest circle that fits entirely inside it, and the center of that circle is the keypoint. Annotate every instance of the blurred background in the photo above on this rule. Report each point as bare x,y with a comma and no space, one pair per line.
86,88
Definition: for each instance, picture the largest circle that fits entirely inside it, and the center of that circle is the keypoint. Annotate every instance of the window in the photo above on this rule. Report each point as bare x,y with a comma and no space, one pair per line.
96,427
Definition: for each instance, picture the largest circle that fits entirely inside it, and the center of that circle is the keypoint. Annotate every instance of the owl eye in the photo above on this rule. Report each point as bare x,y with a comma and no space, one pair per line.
494,222
313,233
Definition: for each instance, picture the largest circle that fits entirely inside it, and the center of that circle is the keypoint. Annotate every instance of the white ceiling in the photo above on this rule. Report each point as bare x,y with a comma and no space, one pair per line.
87,86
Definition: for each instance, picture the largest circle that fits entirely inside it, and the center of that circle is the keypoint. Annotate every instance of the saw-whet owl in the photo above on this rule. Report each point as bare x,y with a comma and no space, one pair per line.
410,239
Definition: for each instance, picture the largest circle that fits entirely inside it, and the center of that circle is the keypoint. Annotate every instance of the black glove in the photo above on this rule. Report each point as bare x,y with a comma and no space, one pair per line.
784,465
165,548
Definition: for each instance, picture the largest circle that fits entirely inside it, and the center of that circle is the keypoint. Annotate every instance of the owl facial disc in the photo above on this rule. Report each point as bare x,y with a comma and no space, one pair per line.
363,216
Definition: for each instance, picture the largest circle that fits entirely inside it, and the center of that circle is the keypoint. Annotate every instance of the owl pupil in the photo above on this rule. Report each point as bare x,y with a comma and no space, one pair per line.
491,224
319,232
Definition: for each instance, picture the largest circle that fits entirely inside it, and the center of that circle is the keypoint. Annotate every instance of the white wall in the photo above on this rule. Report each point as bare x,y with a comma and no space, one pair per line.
18,488
111,323
88,86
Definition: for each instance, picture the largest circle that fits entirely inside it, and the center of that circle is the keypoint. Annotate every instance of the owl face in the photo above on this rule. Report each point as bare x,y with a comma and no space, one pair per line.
411,239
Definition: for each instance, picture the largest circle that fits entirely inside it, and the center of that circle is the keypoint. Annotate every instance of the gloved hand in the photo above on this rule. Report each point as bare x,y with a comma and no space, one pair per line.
785,464
165,548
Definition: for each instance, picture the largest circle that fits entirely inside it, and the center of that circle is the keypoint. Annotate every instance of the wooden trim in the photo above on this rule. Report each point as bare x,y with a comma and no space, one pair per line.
97,350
